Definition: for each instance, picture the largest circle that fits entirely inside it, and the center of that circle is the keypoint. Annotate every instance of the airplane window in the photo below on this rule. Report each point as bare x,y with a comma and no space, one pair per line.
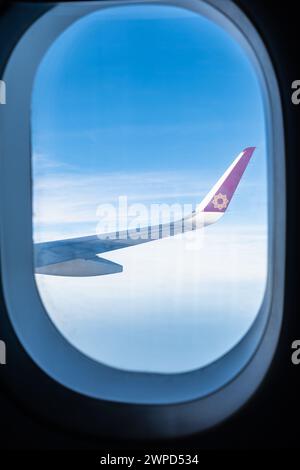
149,176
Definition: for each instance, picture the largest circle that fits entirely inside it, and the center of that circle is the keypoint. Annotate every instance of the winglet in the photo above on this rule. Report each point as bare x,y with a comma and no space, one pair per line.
219,197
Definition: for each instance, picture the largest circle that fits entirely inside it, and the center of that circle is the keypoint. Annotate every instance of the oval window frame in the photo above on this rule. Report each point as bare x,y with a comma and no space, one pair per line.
182,403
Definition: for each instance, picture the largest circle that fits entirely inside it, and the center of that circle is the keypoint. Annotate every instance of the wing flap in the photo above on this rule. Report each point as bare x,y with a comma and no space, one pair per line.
81,267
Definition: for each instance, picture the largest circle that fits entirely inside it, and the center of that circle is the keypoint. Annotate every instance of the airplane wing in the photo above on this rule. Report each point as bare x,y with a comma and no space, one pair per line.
77,256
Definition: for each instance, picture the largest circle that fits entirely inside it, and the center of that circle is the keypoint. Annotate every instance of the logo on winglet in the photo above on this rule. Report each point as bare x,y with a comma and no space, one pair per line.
220,201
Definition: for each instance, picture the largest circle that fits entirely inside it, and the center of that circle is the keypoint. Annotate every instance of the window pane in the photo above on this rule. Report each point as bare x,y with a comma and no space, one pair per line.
137,111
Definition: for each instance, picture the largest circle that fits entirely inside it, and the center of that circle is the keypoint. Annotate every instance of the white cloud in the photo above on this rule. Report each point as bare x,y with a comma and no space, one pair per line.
66,201
179,304
70,198
172,309
42,163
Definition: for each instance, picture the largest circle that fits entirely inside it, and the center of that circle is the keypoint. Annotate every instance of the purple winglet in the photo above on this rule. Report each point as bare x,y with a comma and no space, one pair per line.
222,197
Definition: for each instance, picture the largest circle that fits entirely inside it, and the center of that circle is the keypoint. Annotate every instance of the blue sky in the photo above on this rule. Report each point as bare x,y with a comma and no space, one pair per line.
154,103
